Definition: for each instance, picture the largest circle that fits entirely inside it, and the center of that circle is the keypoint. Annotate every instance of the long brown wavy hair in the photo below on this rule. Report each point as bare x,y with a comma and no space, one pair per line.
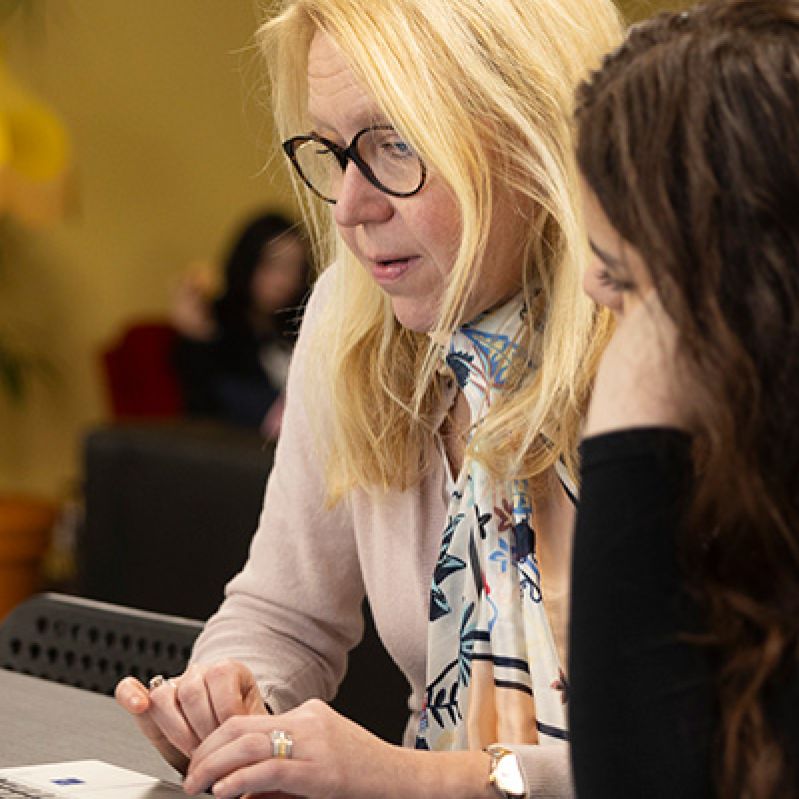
689,136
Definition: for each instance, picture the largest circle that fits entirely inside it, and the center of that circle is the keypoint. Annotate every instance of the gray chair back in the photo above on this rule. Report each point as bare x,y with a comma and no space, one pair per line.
92,645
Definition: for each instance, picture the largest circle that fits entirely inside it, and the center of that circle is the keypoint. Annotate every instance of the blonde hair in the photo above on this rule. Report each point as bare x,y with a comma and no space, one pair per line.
482,89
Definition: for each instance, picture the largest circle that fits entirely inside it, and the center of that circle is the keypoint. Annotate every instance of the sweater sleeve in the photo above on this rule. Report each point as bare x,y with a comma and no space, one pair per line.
546,770
294,610
640,694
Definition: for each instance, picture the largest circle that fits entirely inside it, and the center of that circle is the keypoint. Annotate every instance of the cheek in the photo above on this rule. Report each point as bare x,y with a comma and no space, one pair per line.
348,237
436,225
441,253
262,288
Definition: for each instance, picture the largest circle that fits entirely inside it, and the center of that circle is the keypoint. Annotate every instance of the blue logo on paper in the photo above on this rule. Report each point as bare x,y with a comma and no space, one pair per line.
67,781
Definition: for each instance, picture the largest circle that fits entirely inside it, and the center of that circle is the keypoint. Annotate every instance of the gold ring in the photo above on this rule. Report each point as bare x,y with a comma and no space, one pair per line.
156,682
282,744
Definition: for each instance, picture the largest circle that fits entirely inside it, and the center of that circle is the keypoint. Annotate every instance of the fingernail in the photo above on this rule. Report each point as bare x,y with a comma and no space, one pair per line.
135,701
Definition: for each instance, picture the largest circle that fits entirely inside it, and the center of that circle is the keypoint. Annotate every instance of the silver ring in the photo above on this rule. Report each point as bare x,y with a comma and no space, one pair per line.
282,744
156,682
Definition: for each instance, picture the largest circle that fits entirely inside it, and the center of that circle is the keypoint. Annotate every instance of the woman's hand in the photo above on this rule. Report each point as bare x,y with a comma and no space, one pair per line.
637,383
191,313
270,426
332,757
180,713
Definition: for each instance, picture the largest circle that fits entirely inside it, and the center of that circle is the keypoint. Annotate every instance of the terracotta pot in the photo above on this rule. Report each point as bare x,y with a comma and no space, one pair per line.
25,525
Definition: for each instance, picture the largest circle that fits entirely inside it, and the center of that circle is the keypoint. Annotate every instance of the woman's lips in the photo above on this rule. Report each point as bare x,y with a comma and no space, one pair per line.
389,270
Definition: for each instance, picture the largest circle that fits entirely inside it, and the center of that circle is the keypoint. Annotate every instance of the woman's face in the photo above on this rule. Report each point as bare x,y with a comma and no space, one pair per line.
407,245
277,279
616,276
637,384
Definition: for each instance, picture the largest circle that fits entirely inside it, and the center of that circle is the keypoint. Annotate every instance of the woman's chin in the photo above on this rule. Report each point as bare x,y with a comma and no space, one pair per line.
414,314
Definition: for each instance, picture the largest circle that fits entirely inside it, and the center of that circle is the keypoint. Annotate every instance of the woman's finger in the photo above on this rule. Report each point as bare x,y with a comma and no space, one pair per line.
166,713
132,696
194,700
269,778
135,698
237,752
230,731
233,691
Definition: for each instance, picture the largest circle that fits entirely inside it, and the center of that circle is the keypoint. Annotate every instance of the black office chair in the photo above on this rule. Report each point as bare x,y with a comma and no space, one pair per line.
92,645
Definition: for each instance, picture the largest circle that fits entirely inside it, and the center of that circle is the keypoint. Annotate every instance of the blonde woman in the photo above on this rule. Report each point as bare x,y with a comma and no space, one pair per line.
432,414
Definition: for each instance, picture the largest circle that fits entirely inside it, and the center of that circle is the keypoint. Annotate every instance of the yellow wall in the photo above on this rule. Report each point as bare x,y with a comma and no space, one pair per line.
162,100
640,9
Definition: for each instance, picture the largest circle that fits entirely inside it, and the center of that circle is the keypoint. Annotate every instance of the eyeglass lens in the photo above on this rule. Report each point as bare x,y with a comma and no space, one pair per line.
393,164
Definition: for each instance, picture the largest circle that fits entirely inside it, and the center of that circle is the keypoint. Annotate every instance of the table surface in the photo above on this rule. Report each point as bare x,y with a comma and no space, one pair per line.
45,722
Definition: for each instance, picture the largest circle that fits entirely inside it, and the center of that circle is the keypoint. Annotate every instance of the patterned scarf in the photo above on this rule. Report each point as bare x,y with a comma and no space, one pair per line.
493,672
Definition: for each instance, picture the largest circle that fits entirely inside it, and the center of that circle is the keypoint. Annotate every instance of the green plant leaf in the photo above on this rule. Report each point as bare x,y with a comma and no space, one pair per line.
8,7
18,368
12,377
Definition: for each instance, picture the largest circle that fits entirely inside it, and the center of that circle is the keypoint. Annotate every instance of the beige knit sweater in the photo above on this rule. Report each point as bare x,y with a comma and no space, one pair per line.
293,612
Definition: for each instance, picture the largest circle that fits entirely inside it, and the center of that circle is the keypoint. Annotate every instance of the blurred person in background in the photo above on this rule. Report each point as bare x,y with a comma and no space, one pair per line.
233,350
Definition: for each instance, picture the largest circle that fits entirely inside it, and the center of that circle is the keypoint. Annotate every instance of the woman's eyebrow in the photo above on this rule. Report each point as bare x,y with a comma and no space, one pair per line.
605,257
366,120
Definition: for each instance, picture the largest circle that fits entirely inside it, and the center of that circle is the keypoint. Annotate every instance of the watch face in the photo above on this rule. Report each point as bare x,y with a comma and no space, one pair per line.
508,775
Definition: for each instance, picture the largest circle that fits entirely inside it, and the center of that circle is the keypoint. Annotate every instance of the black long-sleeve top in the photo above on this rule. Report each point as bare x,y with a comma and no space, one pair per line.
225,378
641,703
643,718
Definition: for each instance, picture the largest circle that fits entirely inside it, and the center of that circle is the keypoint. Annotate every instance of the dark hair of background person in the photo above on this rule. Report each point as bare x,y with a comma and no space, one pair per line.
689,137
234,369
233,307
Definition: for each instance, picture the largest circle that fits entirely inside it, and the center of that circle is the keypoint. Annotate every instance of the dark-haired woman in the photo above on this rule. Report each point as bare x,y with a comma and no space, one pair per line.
232,354
684,656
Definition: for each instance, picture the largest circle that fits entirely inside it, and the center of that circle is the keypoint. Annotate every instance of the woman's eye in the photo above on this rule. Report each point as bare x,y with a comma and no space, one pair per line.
396,148
614,284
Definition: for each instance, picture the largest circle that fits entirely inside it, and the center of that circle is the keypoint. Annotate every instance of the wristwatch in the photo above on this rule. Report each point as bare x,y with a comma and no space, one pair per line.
505,774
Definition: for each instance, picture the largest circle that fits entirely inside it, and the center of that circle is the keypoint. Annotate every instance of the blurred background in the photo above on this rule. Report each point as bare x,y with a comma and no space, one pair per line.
170,146
134,137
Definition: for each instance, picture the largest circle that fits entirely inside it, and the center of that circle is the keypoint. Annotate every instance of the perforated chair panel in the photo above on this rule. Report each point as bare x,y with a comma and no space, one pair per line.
92,645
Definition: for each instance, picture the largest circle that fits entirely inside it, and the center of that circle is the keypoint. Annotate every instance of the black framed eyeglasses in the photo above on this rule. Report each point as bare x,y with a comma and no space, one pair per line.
382,156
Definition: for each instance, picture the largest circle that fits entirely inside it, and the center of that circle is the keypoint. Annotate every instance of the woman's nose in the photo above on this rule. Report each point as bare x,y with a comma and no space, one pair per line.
359,201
